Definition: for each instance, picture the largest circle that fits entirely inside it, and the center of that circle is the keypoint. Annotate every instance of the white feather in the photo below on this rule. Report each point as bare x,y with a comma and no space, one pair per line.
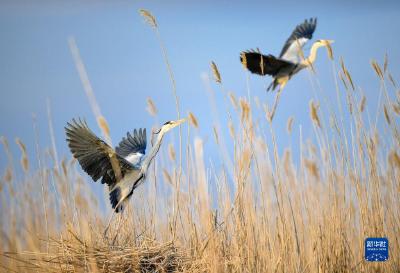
134,158
292,53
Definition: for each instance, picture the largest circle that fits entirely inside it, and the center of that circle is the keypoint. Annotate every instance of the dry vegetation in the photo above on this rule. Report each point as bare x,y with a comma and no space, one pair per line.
268,212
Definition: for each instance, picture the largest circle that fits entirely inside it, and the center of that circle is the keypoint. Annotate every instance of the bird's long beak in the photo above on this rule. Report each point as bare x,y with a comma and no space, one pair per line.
178,122
329,48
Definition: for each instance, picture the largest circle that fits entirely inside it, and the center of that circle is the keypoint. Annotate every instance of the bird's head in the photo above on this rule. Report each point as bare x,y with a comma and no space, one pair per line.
325,42
165,128
171,124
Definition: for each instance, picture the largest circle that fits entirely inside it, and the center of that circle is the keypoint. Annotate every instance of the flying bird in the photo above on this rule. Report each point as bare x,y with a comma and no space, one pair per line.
288,63
124,168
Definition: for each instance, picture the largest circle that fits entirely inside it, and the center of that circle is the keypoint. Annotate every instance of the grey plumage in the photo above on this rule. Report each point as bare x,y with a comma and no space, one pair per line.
281,68
93,154
260,64
132,144
303,30
122,169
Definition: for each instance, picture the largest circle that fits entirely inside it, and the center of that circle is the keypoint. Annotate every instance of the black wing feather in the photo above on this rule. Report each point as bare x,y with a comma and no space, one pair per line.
93,154
261,64
133,144
303,30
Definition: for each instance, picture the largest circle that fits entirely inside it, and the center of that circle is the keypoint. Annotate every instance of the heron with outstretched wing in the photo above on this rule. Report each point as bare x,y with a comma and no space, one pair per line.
122,169
288,63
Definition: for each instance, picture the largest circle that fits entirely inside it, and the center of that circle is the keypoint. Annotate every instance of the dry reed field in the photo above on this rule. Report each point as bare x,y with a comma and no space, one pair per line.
263,211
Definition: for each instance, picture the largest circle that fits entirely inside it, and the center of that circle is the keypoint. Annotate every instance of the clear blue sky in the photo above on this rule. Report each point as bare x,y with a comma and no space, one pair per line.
125,64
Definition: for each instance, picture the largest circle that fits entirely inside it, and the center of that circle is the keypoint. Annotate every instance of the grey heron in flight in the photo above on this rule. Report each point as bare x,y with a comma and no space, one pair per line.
288,63
122,169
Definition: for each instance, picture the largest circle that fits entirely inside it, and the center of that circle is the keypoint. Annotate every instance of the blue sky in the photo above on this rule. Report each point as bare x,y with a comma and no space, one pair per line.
124,61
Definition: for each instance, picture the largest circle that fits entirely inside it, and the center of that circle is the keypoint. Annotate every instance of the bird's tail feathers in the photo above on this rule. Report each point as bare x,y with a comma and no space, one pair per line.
115,199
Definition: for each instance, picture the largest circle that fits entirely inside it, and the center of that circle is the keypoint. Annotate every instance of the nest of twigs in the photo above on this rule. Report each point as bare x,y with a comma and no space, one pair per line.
75,255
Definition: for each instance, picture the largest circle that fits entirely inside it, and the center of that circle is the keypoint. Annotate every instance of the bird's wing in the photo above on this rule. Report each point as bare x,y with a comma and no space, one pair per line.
261,64
133,147
95,156
299,37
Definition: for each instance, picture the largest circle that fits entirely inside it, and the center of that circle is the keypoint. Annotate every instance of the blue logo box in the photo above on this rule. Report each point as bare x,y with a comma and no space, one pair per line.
376,249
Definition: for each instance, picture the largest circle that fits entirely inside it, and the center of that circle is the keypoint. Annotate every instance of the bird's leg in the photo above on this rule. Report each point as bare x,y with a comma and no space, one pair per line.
272,113
278,95
115,209
108,224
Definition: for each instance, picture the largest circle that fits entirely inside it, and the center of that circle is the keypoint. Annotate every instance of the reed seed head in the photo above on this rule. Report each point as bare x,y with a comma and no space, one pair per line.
215,72
377,69
149,18
102,122
361,107
193,120
312,168
245,107
167,177
216,135
151,107
171,152
24,157
289,124
387,116
396,108
394,159
233,100
314,113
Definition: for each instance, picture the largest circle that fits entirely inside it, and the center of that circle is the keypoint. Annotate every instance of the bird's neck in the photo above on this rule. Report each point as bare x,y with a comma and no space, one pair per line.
311,58
154,150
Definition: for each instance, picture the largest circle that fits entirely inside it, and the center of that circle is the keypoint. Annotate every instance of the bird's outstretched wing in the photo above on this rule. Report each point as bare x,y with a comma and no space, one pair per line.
133,147
95,156
299,37
261,64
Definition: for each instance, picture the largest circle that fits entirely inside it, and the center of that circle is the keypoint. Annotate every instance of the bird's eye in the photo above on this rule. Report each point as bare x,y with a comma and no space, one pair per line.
168,122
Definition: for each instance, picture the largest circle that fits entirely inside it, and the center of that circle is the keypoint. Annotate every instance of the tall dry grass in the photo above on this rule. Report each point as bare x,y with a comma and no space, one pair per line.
263,212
